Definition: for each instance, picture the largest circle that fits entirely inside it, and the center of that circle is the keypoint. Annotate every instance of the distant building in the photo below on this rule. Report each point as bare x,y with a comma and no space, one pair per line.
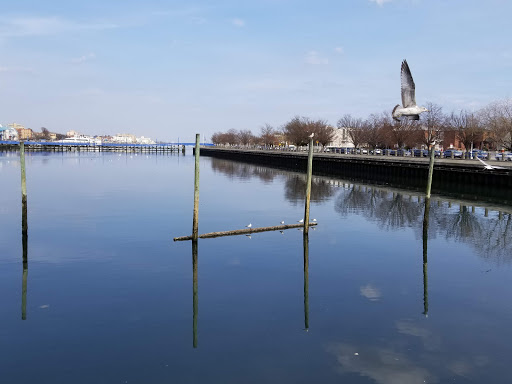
144,140
125,138
341,138
53,136
7,133
23,133
72,133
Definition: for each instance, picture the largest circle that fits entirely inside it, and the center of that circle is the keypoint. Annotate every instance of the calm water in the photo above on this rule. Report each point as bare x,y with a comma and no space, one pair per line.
110,298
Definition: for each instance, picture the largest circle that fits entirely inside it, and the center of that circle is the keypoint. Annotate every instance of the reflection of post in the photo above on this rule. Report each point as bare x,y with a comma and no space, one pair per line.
195,219
194,290
24,232
425,240
308,186
306,282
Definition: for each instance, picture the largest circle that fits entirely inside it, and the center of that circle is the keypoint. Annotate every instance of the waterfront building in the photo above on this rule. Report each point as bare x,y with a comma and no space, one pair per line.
144,140
341,138
8,133
72,133
124,138
23,133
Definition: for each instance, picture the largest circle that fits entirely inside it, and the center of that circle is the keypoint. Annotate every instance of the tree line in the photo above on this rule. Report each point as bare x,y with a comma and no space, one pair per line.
487,128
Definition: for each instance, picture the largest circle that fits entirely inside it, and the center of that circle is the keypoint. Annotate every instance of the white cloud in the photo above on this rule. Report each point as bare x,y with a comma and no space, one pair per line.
41,26
370,292
83,59
380,3
238,22
339,50
314,58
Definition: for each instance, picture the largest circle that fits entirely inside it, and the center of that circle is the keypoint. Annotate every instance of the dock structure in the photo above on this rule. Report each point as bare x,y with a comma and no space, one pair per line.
465,176
86,147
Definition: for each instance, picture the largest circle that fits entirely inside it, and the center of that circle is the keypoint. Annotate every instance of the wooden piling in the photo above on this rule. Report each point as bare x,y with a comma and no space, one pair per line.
195,220
246,231
430,171
23,175
306,281
308,187
194,293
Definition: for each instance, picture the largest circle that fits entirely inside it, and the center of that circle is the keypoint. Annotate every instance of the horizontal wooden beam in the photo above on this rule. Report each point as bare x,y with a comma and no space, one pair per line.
246,231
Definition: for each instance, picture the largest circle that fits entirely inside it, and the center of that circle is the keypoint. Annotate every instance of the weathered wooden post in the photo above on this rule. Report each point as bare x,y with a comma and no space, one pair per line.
306,281
194,292
195,220
308,186
23,177
425,258
430,170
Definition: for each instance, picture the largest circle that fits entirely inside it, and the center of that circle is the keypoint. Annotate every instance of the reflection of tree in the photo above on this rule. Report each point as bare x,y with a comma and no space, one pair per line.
393,210
244,171
295,189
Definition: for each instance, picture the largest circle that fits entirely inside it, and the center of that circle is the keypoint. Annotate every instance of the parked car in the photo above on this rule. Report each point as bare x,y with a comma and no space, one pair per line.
456,153
480,154
420,152
507,156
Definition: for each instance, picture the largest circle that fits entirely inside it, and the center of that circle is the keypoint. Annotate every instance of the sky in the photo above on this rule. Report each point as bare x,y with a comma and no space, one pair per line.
170,69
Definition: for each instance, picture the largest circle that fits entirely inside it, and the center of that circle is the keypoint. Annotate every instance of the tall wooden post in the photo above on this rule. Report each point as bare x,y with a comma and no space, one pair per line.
194,292
308,186
23,176
425,258
24,240
195,220
306,281
430,170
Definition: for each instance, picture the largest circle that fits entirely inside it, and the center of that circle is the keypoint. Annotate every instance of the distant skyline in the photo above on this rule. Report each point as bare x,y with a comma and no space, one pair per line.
170,69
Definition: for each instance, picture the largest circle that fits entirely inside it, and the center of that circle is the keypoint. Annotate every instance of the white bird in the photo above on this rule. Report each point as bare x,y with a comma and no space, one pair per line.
487,166
312,135
282,222
409,109
300,221
249,225
314,220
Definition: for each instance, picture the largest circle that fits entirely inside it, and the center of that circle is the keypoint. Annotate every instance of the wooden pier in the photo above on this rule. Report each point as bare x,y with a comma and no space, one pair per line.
83,147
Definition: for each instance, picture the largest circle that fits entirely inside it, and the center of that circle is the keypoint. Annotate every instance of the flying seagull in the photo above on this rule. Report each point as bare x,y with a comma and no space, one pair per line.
409,109
487,166
249,226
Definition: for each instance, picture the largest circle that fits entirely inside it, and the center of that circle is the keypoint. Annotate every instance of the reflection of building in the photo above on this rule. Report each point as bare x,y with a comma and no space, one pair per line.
341,138
23,133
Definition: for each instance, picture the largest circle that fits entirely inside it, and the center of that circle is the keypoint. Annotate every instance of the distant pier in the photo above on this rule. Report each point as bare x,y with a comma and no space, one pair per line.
90,147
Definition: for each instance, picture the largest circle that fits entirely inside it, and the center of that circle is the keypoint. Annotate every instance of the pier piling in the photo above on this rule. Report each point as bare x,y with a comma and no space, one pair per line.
308,186
430,170
195,220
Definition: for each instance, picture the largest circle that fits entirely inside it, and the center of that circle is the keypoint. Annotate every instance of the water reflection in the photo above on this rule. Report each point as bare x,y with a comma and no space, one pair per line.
306,281
426,217
24,242
487,232
194,292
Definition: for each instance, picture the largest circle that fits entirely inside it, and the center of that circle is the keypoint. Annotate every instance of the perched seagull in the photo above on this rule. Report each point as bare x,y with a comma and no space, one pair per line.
487,166
312,135
314,220
249,226
282,222
410,109
300,221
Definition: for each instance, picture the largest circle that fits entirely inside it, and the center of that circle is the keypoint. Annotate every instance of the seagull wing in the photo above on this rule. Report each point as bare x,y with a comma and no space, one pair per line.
408,87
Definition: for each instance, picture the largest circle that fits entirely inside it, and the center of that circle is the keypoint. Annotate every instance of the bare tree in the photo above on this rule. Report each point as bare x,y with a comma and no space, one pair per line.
374,131
268,135
497,117
467,127
245,137
434,124
355,129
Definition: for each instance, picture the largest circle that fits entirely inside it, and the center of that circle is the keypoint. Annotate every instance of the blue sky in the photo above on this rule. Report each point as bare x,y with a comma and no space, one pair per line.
169,69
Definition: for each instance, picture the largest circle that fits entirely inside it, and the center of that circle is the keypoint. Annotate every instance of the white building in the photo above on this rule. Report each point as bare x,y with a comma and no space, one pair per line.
8,133
144,140
341,139
125,138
